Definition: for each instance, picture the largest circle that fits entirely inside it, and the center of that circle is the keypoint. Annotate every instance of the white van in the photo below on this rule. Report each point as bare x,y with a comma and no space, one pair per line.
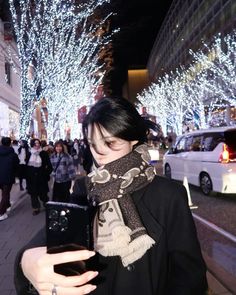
206,157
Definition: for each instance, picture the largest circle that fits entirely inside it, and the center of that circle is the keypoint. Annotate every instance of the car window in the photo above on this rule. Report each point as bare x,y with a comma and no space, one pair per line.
196,144
188,143
211,140
180,147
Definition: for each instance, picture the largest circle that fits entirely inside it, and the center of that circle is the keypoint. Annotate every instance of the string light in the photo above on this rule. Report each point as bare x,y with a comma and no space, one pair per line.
59,53
184,94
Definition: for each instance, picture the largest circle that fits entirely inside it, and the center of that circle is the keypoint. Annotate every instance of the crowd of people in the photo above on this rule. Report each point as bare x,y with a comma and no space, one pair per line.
34,162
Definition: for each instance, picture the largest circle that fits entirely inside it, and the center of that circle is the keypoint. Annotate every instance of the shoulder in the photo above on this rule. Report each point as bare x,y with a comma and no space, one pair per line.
164,185
44,155
67,157
164,191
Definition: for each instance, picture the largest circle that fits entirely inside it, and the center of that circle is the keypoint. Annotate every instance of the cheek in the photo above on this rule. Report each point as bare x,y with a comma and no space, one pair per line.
93,153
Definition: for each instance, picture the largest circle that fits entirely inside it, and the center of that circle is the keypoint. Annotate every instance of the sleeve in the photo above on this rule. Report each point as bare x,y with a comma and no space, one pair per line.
48,165
187,274
79,194
71,168
22,285
16,163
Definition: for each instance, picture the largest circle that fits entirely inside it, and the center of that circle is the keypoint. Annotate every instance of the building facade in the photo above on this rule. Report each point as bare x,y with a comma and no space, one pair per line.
187,25
9,83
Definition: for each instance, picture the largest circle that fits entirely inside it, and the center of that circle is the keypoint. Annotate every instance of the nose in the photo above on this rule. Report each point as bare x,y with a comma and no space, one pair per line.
99,149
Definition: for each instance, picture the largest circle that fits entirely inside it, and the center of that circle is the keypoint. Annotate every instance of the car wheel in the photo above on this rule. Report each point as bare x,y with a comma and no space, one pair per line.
168,171
205,183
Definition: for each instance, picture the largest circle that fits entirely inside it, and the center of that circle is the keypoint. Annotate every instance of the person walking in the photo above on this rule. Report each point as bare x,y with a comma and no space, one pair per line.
63,172
8,167
39,169
23,154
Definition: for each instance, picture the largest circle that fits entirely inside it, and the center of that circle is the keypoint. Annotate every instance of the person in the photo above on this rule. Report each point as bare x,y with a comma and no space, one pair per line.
64,173
77,155
171,138
144,234
87,158
38,172
15,145
23,154
8,168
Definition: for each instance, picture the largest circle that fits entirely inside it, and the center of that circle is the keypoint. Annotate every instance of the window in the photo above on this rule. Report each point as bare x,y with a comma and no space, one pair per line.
180,147
188,143
8,72
196,144
211,140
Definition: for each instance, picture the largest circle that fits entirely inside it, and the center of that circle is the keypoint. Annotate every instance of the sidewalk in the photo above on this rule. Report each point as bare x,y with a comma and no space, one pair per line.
16,231
21,226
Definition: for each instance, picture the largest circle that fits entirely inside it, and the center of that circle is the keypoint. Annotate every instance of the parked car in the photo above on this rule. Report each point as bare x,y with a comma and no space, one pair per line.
206,157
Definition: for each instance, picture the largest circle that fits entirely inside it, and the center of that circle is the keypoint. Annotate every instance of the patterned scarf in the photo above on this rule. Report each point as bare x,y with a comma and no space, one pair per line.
35,159
118,229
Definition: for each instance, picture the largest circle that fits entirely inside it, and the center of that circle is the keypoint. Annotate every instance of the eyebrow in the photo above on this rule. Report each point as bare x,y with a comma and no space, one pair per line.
104,137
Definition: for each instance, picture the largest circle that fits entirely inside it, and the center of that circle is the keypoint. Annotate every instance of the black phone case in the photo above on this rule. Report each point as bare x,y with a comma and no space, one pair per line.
69,228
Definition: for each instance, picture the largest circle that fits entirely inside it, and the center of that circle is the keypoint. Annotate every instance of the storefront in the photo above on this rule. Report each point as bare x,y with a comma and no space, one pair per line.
9,122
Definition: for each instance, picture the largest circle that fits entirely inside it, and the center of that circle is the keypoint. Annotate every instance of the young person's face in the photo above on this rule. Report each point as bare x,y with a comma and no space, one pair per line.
58,149
37,145
105,147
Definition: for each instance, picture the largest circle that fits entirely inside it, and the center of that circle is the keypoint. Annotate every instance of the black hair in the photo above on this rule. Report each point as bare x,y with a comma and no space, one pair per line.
43,143
32,142
120,118
23,145
6,141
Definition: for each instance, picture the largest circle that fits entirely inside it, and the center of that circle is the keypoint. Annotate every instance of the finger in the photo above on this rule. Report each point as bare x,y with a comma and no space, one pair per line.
86,289
68,256
72,281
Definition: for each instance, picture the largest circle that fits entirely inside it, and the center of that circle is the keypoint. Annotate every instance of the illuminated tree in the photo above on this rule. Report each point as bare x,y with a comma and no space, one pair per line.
58,52
208,82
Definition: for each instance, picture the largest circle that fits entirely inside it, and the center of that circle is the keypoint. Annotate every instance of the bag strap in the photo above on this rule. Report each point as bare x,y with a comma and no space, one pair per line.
58,163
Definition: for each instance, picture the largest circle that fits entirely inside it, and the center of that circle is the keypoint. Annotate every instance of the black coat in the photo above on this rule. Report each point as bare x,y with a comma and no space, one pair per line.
37,177
173,266
8,165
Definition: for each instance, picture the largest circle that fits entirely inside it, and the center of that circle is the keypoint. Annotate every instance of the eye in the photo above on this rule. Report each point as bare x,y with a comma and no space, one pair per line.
109,143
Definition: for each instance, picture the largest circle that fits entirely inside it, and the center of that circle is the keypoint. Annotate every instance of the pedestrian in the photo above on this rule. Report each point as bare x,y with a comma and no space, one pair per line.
8,167
87,158
23,154
76,155
144,234
15,145
39,169
63,172
171,138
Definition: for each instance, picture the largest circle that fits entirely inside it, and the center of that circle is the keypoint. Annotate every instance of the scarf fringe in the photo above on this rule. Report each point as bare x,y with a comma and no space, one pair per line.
137,248
120,239
129,252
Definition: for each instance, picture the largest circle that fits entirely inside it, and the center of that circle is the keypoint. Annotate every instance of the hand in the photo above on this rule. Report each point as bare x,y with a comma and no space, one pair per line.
38,268
72,185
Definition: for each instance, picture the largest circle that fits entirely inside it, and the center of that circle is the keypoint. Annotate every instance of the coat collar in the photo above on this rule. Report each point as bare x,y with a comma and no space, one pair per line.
150,222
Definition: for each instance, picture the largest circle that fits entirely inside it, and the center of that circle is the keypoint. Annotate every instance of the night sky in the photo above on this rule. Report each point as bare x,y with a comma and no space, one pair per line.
139,22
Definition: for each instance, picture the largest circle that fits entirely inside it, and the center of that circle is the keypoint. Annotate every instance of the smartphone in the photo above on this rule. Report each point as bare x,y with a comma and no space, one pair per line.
69,228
